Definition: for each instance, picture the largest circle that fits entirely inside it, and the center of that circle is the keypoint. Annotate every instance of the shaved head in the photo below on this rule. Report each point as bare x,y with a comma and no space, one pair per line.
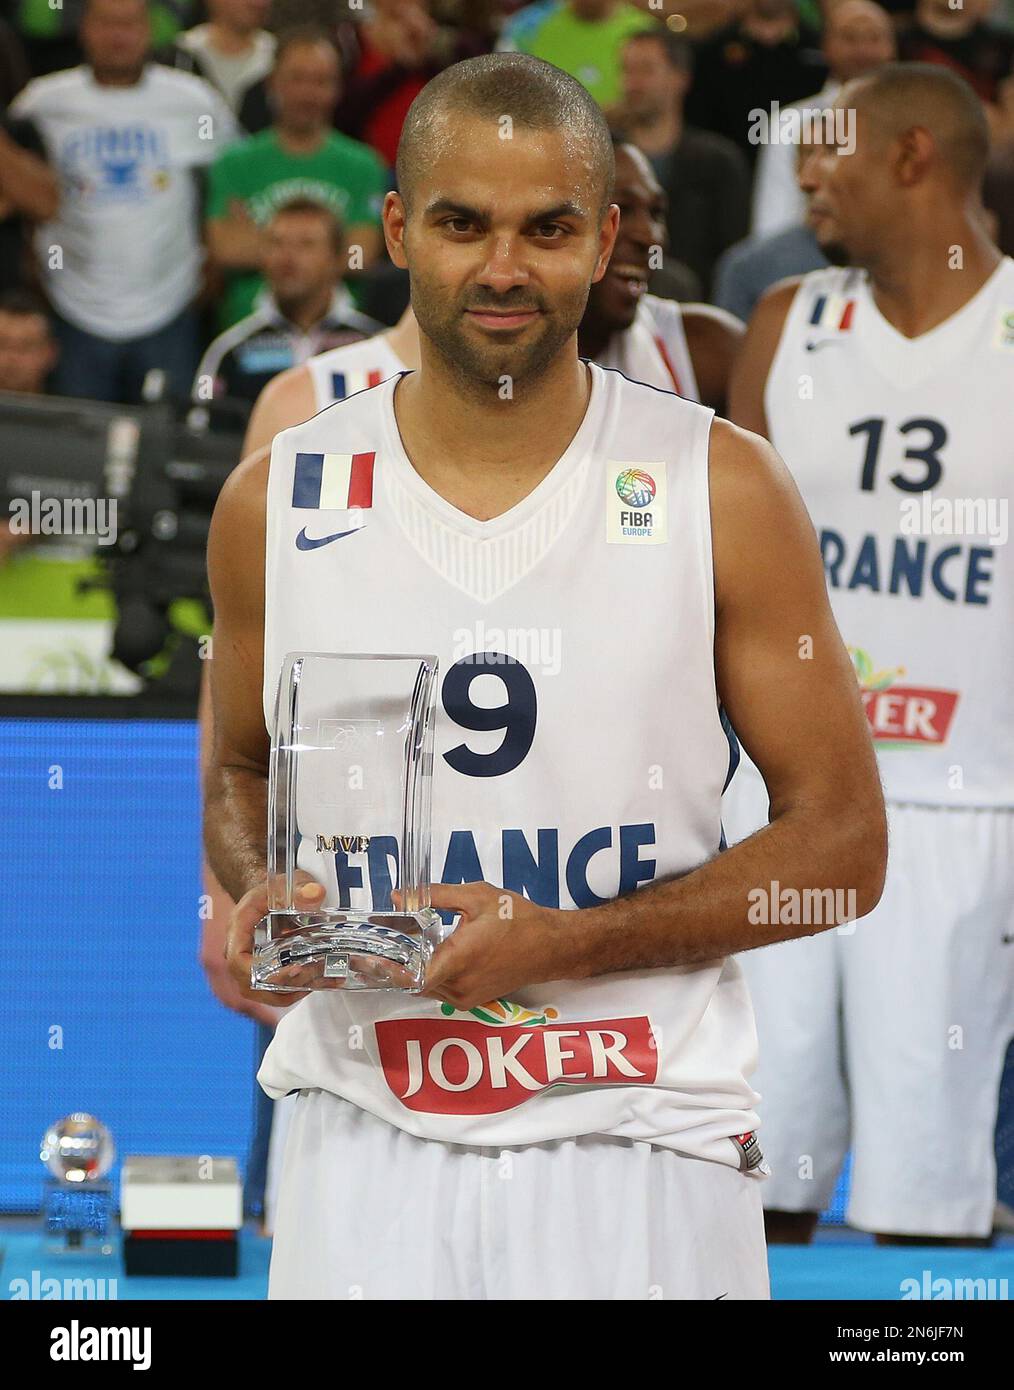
901,96
502,87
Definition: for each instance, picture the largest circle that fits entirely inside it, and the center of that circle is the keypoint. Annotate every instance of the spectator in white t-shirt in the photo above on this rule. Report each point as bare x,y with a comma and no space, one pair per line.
121,260
232,50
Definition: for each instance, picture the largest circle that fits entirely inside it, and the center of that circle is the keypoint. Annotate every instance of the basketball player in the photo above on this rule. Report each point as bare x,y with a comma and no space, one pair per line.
595,1141
686,348
886,389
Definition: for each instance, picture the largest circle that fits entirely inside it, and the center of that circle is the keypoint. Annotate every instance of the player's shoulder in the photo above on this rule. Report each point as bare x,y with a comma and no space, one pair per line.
248,478
240,509
287,399
288,392
660,310
836,280
345,370
777,302
300,393
359,351
237,538
641,402
348,421
744,471
822,306
734,449
709,323
714,339
759,524
650,416
664,318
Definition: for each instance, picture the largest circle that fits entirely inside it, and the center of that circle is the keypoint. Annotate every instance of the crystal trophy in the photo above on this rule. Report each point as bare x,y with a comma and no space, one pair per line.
77,1202
349,809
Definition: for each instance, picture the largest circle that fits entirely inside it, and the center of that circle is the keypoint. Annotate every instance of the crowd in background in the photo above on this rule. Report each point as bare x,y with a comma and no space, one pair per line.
191,190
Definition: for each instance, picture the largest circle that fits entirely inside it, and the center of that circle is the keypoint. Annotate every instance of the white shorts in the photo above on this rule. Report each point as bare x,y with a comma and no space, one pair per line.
891,1034
366,1210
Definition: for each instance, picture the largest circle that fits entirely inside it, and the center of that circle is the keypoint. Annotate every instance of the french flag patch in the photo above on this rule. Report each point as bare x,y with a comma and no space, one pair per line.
333,482
832,311
345,384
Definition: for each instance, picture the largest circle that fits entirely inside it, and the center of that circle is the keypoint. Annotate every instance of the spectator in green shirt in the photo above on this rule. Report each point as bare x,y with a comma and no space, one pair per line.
584,37
300,156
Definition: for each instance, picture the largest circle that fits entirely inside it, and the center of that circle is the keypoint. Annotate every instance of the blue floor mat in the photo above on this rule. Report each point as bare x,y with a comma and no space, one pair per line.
840,1265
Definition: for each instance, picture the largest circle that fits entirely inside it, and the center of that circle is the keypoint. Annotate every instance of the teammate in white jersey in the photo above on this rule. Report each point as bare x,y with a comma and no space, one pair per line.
584,1032
887,390
686,348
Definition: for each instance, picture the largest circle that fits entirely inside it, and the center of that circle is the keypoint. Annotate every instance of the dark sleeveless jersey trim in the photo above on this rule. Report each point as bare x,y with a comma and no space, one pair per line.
646,384
730,734
345,399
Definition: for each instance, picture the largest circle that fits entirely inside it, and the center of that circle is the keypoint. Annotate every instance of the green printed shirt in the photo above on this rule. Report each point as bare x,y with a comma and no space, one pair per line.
342,173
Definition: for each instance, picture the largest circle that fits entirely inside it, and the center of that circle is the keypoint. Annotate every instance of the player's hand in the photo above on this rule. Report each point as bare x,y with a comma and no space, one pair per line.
503,943
240,943
214,936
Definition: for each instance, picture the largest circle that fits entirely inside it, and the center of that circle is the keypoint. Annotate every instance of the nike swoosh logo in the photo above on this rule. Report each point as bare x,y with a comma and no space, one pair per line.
305,542
821,342
721,1295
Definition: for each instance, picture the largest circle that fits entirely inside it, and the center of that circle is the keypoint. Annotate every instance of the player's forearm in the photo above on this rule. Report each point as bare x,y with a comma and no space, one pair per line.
235,828
771,887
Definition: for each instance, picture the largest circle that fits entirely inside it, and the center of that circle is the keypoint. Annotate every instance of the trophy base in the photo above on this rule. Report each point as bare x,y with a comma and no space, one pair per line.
77,1217
332,949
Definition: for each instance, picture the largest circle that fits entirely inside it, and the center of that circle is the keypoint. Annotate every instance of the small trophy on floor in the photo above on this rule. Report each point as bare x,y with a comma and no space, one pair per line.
349,809
77,1202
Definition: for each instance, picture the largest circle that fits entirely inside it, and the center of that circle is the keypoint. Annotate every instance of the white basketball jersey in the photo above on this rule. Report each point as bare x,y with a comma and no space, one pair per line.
902,450
342,371
654,349
585,613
